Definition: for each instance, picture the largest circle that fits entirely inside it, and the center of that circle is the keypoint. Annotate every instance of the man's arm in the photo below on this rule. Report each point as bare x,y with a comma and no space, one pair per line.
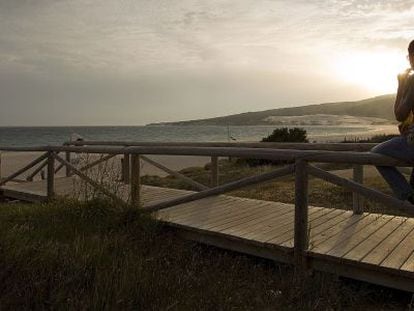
404,102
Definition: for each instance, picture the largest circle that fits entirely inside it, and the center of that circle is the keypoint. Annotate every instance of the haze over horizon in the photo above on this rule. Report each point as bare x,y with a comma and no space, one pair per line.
136,62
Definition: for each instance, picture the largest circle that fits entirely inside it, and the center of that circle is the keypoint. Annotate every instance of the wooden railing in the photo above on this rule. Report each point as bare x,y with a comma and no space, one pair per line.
302,159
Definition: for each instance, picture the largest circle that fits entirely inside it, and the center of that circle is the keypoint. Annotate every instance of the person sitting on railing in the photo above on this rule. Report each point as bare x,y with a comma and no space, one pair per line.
401,147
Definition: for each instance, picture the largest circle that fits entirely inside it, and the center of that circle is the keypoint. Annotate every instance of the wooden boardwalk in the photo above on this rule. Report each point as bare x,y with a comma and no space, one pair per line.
370,247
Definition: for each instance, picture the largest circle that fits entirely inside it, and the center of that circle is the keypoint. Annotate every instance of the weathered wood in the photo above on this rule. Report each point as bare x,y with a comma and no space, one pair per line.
50,176
357,199
365,158
97,162
100,188
135,180
356,187
214,172
175,174
301,238
248,181
126,168
36,171
24,169
57,170
300,146
68,159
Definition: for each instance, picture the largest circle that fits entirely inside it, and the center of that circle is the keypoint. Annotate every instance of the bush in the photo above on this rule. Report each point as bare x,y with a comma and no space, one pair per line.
280,135
285,135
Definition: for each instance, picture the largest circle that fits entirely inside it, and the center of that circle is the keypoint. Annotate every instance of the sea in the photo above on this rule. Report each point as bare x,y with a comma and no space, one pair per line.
35,136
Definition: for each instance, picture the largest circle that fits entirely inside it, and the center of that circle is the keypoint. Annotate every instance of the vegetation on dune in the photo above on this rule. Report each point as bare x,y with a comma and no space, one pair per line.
96,256
378,107
374,139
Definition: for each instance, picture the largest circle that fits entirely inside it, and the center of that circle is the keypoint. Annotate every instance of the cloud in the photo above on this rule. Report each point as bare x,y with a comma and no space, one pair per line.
183,53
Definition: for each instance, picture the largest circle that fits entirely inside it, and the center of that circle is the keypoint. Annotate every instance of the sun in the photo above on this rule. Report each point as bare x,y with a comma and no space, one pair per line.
374,71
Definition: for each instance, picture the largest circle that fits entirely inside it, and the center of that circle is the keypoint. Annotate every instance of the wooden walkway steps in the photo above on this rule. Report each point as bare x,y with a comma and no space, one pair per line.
369,247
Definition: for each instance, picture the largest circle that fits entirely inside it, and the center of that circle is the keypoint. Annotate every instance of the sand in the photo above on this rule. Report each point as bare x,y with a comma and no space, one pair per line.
12,161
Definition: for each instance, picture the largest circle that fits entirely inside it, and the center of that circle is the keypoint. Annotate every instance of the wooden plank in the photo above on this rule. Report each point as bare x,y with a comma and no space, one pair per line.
332,230
339,216
283,224
328,215
207,220
371,233
409,263
379,253
367,245
280,236
344,232
399,255
249,213
184,211
278,220
255,221
225,206
248,181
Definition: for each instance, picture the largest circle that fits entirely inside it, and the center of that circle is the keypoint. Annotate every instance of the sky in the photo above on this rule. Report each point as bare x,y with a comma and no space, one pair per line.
133,62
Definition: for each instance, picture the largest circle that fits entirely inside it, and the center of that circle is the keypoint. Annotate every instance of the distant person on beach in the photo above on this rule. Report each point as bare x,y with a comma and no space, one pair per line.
401,147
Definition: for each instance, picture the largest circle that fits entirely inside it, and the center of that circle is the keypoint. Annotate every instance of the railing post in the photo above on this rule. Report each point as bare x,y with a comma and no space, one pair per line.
126,168
214,171
135,180
301,214
357,199
50,176
0,166
67,158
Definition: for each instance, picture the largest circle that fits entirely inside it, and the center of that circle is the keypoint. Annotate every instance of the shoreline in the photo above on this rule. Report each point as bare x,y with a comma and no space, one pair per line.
12,161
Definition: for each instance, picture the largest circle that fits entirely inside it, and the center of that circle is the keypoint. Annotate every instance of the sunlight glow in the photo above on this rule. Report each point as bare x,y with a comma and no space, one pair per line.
373,71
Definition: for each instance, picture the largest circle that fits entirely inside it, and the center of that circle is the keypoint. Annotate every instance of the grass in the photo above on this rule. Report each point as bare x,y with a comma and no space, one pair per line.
97,256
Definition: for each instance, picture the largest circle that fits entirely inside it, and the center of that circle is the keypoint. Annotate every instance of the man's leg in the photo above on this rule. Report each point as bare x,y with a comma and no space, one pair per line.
397,148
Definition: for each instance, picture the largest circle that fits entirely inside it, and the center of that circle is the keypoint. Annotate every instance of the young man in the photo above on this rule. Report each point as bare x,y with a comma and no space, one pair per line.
401,147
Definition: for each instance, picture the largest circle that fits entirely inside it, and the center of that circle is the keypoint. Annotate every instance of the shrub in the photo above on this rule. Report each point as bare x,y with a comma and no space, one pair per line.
280,135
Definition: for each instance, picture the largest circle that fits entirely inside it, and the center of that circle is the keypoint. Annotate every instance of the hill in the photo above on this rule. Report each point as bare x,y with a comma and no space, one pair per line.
372,110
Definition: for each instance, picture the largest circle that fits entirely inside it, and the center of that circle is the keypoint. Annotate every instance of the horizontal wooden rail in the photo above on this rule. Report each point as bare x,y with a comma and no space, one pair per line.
175,174
300,146
358,188
350,157
248,181
366,158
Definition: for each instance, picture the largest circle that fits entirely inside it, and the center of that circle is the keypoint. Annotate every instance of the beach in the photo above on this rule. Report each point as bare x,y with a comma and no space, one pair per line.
12,161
